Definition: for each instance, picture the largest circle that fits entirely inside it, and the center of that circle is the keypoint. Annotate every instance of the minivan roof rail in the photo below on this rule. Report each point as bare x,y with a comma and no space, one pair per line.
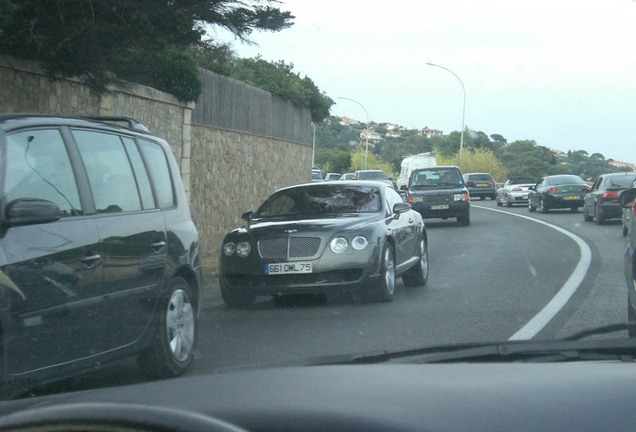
131,122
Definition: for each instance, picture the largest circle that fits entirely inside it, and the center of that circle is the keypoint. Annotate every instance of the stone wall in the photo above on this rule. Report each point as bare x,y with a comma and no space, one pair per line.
224,172
234,172
25,89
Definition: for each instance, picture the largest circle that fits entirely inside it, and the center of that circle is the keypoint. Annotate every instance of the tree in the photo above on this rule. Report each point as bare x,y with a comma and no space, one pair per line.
280,79
499,139
333,160
477,160
152,42
374,162
526,159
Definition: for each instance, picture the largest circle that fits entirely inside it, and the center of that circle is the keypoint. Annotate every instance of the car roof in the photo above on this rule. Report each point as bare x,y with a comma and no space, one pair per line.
618,174
10,121
434,167
366,183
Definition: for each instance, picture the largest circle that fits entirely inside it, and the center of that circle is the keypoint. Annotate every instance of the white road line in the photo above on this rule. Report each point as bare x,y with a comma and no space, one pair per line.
554,306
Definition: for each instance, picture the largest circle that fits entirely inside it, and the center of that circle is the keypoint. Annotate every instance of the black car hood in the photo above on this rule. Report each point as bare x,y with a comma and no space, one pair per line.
286,226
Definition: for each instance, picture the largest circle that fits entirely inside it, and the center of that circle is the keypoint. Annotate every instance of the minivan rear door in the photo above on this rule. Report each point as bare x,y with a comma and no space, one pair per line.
131,228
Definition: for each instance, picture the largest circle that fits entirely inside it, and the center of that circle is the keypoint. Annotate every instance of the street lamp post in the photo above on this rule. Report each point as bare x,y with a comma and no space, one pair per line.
461,140
366,150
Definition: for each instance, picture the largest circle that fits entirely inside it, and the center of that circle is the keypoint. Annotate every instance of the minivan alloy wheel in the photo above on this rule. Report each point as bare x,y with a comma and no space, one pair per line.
180,325
172,350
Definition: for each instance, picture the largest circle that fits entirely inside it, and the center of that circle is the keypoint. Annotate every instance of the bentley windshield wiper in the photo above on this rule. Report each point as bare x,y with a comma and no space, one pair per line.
572,348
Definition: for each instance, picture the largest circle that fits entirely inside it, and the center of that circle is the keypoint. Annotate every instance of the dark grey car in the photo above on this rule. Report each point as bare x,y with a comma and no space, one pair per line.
99,258
481,185
325,238
601,203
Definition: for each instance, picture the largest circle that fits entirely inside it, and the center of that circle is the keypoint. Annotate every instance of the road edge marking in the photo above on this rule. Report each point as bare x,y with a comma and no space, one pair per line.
560,299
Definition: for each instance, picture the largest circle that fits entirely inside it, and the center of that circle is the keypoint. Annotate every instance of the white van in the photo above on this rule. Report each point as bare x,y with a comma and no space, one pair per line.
413,162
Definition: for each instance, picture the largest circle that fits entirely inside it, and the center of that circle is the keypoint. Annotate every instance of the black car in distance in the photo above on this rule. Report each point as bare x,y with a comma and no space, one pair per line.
602,202
323,238
481,185
439,192
99,257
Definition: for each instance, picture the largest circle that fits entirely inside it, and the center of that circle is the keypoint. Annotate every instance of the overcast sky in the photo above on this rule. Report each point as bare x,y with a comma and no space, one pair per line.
561,72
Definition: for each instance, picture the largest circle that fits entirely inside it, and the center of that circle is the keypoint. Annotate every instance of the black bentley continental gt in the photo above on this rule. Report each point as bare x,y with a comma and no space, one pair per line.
325,238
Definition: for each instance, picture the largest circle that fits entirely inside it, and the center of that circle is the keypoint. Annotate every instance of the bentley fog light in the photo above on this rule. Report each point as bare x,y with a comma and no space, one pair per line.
229,249
359,242
243,249
339,245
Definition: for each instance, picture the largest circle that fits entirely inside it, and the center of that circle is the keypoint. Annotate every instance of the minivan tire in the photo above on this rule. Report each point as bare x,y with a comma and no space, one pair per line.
172,351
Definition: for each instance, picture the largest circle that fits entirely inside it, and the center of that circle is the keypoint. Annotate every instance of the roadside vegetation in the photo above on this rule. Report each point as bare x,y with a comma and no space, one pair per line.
481,152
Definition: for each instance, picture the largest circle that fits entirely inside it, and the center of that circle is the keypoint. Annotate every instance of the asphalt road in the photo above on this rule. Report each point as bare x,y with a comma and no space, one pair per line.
486,282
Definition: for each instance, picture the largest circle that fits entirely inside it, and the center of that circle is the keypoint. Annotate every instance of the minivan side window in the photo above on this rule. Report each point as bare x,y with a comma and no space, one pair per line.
145,190
38,166
159,171
109,172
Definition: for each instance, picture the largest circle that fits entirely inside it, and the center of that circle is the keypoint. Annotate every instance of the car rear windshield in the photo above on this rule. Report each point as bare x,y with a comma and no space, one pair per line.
620,181
522,181
479,177
565,179
322,201
435,177
372,175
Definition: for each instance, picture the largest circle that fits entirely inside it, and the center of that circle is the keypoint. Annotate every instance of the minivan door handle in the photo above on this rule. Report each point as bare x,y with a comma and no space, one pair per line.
156,247
91,261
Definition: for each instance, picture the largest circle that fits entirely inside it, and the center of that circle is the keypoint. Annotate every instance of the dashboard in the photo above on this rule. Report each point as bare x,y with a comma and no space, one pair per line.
575,396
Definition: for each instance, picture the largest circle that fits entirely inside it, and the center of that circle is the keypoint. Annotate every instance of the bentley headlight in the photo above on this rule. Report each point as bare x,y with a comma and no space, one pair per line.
359,242
229,249
339,245
243,249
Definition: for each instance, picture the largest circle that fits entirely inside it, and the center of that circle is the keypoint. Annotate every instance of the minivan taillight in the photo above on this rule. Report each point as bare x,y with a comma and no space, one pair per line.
609,195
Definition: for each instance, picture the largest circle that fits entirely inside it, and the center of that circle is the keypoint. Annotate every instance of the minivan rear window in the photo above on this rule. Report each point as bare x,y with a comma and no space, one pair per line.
159,171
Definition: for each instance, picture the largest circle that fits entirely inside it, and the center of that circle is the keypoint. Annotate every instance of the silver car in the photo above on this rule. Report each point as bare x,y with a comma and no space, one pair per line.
514,191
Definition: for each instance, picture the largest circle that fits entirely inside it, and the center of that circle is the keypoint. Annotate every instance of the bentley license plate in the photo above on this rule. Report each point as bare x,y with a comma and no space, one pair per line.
288,268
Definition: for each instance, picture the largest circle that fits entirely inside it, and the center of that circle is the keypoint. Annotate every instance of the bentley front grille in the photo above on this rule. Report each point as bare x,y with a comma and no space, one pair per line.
288,247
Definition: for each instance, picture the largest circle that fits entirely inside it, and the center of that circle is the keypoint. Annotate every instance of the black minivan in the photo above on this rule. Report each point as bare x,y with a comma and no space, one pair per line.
99,257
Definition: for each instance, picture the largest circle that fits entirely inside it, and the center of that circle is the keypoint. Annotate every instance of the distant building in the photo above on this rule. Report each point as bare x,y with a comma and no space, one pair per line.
622,165
431,132
346,121
392,134
559,153
370,135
